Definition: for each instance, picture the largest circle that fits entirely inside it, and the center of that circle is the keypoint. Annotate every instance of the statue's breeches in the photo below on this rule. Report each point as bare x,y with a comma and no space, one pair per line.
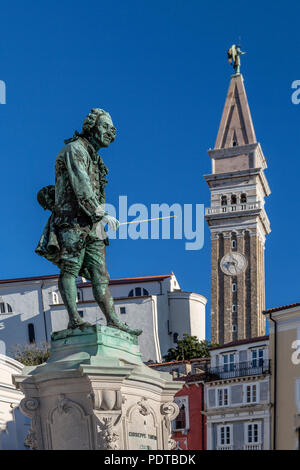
82,256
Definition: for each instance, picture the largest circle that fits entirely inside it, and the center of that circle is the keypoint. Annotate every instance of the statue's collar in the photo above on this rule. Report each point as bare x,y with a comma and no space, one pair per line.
90,148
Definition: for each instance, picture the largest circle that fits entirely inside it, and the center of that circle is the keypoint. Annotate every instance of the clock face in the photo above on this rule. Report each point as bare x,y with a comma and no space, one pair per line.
233,263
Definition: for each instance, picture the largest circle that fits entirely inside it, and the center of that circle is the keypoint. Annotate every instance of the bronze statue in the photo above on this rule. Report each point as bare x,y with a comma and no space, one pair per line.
233,55
71,237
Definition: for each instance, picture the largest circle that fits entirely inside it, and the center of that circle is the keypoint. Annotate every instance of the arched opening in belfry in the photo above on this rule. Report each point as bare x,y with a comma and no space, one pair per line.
223,200
243,198
233,199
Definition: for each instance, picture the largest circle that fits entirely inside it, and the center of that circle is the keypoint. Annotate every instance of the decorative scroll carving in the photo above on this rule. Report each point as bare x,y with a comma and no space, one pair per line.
169,411
144,407
63,404
29,406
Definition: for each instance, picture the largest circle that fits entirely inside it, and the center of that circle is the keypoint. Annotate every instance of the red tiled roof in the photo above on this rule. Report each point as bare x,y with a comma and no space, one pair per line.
126,280
241,341
159,364
192,378
284,307
131,280
35,278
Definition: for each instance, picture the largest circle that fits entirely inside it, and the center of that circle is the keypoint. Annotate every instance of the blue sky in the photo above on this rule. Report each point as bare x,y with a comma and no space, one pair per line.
160,68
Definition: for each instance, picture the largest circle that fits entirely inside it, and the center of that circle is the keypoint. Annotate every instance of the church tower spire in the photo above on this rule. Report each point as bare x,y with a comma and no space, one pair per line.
238,223
236,127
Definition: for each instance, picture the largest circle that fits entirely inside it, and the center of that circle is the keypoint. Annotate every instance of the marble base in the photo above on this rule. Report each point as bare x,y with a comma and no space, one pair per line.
94,392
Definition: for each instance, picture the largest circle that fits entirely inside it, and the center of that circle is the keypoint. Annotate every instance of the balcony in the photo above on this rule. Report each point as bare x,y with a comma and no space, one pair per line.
233,208
241,369
225,447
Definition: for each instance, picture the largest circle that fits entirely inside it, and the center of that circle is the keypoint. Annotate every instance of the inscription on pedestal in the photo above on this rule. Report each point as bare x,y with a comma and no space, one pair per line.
142,432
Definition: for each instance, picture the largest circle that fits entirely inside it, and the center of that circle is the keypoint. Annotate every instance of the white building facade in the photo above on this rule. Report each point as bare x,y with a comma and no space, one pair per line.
32,308
14,426
237,396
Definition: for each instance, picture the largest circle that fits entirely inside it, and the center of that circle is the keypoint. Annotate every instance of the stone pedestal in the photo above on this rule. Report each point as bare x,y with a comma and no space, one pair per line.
95,393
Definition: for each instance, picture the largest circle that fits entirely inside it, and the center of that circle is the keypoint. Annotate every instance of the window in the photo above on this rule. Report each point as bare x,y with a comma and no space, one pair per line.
222,396
234,287
180,422
233,199
223,200
228,362
233,243
80,313
5,308
257,357
243,198
252,433
251,393
122,310
79,296
234,328
234,308
31,333
224,435
55,299
138,292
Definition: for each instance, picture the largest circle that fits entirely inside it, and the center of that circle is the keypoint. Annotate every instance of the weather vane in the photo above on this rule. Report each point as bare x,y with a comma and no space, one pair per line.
233,55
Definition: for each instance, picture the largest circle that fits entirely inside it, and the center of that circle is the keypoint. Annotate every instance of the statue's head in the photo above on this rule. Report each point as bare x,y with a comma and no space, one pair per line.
98,125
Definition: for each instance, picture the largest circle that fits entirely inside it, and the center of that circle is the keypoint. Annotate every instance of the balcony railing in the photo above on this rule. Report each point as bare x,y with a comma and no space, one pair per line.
225,447
252,447
233,208
240,369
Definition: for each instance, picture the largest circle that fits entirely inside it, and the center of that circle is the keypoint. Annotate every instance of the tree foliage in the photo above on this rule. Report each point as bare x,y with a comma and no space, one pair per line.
31,354
189,347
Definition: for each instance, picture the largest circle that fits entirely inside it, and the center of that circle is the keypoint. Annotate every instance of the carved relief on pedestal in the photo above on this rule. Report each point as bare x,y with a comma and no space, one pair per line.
29,406
108,437
69,426
107,400
31,439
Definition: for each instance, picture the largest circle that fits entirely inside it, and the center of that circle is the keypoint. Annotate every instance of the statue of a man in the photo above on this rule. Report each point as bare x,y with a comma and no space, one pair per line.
233,55
70,239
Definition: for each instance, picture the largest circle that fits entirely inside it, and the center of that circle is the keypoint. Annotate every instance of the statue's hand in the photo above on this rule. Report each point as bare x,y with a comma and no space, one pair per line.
111,221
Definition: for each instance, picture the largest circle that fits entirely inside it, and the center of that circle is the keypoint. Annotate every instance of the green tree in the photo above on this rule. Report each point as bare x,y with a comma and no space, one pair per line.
189,347
31,354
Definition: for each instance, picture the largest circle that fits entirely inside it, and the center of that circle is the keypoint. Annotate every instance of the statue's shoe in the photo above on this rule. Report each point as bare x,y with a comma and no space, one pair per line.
77,323
123,327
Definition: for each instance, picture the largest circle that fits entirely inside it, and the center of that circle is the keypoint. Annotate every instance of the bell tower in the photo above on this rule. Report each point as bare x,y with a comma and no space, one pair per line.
238,223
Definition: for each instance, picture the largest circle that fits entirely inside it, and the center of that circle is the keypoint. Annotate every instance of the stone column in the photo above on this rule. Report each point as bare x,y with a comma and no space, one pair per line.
95,393
215,319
